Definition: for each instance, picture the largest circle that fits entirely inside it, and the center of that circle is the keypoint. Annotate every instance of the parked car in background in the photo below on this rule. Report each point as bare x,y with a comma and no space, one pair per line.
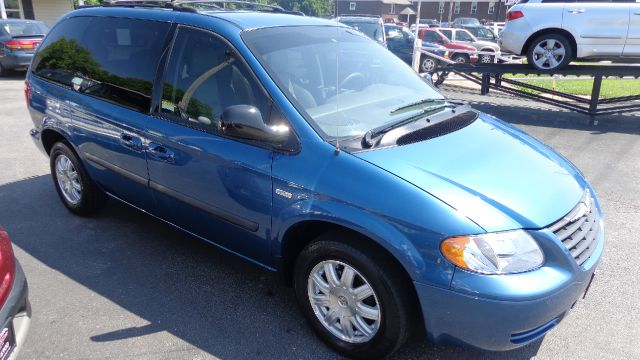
394,21
426,23
482,33
372,26
552,34
400,42
458,52
309,149
18,41
487,50
495,26
465,21
15,309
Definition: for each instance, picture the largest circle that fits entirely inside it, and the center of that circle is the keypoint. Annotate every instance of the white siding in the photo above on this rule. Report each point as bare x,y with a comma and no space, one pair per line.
49,11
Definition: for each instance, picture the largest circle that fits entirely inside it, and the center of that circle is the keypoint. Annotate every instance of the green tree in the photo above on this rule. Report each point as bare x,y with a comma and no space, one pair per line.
309,7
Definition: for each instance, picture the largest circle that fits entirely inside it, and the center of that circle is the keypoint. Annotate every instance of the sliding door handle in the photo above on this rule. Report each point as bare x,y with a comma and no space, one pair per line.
162,153
131,141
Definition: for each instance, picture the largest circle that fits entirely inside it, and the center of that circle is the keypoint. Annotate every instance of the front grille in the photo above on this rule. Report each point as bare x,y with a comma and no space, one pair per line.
579,229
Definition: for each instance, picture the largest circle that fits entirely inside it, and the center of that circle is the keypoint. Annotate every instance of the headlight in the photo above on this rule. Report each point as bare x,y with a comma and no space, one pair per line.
494,253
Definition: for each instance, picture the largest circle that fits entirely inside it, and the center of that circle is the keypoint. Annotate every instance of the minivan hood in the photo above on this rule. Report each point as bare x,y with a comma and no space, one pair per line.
492,173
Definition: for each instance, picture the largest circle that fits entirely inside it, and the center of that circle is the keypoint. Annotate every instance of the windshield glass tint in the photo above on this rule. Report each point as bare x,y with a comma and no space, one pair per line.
372,30
342,82
24,28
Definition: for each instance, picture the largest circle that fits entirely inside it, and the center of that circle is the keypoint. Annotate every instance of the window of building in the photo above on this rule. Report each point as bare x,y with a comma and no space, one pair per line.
204,77
13,9
492,8
108,58
474,7
456,7
352,6
441,7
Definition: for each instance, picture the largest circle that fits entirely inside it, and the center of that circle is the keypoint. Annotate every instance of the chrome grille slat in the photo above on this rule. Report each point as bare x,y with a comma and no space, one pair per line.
587,254
578,230
567,231
576,237
585,242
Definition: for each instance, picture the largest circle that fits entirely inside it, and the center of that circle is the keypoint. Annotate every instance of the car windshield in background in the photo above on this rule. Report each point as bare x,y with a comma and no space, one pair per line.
26,28
342,82
482,33
371,29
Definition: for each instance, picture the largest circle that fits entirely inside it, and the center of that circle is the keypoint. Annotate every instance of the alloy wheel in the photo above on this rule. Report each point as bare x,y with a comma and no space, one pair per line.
344,301
68,179
548,54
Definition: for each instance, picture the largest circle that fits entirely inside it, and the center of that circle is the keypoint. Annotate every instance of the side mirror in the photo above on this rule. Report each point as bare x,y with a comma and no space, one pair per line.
246,122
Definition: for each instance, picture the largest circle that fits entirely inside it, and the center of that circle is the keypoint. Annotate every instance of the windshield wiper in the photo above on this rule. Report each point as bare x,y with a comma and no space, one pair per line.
377,131
425,101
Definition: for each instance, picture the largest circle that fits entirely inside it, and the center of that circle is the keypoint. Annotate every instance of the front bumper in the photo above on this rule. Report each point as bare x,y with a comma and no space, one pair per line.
505,312
16,311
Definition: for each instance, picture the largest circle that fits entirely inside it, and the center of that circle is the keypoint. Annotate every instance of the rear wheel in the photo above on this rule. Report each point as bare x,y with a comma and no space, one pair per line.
549,52
76,190
356,300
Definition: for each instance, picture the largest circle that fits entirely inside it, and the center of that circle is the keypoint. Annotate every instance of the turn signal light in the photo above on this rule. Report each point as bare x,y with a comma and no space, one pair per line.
513,15
453,249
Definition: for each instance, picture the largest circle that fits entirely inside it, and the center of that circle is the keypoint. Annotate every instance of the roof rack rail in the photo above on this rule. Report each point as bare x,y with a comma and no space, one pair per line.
190,5
244,4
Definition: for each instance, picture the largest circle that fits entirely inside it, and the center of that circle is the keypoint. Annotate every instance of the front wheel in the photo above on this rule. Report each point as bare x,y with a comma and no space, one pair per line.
427,64
356,306
460,58
549,52
486,58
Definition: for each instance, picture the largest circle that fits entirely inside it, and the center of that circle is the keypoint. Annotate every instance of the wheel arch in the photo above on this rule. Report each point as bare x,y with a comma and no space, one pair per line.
304,232
570,37
51,136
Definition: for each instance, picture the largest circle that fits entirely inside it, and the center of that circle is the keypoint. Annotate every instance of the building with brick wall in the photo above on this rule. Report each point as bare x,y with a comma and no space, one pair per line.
490,10
47,11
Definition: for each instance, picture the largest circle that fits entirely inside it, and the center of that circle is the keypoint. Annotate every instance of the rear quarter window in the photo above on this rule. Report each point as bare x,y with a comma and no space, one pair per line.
109,58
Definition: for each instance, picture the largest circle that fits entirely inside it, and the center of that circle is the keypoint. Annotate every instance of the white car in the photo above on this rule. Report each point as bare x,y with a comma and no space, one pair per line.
552,33
487,51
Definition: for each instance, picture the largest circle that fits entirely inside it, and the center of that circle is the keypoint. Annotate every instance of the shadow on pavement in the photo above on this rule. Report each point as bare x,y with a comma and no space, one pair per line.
215,301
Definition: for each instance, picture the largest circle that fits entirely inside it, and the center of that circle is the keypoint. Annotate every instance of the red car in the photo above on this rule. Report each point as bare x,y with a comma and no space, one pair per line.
15,310
464,54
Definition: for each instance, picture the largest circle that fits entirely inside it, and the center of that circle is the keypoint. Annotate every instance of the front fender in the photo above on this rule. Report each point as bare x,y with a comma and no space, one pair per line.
415,252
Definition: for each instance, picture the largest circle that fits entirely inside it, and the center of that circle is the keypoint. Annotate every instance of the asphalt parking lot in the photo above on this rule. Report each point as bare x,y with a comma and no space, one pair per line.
124,285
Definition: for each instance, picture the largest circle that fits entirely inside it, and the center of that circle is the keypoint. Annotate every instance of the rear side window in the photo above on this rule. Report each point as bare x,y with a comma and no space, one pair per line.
109,58
203,77
447,33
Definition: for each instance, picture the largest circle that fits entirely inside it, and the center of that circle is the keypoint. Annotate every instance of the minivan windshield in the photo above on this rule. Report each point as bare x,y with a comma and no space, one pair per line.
342,82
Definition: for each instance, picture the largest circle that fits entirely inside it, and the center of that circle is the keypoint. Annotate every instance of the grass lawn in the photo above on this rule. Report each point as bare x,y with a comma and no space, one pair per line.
610,87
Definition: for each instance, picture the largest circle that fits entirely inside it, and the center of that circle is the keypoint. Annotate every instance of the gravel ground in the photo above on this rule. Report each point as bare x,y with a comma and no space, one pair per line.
124,285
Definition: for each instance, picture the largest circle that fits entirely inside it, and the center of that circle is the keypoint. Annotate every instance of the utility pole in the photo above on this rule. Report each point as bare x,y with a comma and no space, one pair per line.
450,11
3,11
417,43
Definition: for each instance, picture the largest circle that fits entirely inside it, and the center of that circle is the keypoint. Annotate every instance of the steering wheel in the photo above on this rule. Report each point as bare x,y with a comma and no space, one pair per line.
355,81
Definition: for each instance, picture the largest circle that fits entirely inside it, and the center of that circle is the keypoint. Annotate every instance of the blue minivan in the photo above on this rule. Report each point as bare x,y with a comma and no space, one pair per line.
307,148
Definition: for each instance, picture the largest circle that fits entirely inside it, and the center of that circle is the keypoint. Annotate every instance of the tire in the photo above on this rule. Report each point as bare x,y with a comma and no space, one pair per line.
549,52
427,64
74,186
460,58
485,58
391,296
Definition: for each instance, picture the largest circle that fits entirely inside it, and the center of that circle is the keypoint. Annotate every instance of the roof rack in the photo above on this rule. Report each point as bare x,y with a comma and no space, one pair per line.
192,5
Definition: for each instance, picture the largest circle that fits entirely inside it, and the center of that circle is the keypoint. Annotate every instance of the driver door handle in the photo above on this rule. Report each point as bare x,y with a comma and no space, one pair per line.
131,141
576,11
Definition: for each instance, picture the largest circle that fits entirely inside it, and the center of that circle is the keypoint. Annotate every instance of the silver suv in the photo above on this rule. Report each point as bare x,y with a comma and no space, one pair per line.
552,33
